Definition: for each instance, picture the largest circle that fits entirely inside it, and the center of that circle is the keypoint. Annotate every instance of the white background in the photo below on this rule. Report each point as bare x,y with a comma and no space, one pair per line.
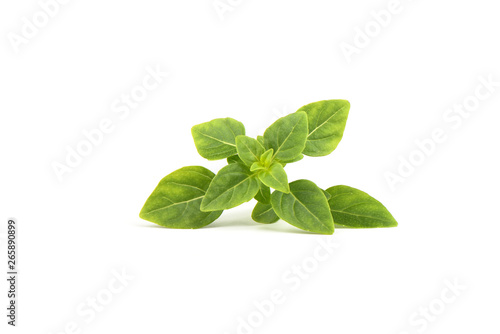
262,60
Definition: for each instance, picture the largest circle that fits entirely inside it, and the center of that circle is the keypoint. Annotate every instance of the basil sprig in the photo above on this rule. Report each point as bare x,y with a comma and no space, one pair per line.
193,197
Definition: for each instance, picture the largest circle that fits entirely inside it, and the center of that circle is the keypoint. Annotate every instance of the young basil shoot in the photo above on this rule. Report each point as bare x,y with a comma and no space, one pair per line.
193,197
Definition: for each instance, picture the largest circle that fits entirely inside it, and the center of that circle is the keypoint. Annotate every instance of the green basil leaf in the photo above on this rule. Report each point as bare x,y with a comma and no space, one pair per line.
326,121
355,208
264,214
233,185
304,207
264,194
175,202
216,139
327,195
298,158
249,149
234,159
267,158
256,166
260,139
275,177
287,136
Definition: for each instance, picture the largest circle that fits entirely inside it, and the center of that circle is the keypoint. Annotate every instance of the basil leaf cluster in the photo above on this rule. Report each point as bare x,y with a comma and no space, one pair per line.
193,197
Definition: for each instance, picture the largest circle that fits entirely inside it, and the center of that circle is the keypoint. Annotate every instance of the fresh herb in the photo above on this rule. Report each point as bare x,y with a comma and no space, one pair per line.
193,197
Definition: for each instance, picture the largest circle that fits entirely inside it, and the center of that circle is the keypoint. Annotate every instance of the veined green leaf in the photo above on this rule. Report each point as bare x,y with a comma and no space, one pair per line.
235,159
355,208
216,139
287,136
260,139
304,207
175,202
327,195
233,185
249,149
326,122
264,214
256,166
267,158
298,158
275,177
264,194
